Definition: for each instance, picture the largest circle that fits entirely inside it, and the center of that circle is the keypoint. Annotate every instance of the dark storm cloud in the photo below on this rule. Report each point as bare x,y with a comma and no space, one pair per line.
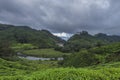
63,15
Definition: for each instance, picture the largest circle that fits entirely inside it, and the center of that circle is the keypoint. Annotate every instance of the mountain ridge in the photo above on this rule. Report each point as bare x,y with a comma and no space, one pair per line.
83,39
25,34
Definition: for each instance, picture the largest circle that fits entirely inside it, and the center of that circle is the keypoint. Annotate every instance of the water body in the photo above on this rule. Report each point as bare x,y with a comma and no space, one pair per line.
20,55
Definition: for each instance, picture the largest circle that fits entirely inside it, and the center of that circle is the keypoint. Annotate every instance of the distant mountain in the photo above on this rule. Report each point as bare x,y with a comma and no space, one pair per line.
107,38
85,40
25,34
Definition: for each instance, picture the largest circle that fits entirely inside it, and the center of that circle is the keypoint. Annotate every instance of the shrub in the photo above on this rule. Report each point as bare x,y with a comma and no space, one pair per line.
5,50
80,59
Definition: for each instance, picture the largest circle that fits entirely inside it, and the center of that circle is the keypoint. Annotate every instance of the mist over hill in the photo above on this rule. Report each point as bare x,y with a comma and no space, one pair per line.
85,40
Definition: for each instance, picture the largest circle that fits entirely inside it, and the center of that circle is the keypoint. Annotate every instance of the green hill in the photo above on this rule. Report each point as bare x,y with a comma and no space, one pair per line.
93,56
85,40
25,34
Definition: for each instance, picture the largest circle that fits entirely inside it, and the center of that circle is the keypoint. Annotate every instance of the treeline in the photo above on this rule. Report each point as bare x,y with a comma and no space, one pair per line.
93,56
6,51
83,40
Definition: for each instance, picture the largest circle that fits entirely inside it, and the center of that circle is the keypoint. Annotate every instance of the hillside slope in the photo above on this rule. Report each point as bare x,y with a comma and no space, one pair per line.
85,40
24,34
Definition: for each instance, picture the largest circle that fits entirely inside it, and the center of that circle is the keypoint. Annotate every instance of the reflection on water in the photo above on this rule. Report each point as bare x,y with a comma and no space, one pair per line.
37,58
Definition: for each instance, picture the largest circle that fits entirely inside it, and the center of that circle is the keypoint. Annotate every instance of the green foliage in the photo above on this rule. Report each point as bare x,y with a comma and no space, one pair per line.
107,49
108,38
37,70
93,56
109,52
113,57
21,47
70,74
81,59
24,34
5,50
84,40
44,53
105,65
21,67
78,74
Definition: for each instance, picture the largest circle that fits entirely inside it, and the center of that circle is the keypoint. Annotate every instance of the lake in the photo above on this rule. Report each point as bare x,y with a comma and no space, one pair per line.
20,55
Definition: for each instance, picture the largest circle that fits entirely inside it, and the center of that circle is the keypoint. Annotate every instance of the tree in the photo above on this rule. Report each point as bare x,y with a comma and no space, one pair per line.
5,50
81,59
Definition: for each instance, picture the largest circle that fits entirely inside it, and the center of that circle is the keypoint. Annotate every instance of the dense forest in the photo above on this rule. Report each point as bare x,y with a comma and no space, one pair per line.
82,57
85,40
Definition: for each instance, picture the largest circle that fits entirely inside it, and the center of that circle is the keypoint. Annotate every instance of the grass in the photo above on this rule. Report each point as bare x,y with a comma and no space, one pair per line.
44,53
20,67
19,46
78,74
70,74
47,70
107,65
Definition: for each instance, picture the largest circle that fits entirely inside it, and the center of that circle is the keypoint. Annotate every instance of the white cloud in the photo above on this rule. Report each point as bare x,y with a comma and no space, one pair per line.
63,35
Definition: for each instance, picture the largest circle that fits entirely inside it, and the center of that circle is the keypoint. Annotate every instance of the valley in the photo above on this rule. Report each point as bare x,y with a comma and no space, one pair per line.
29,54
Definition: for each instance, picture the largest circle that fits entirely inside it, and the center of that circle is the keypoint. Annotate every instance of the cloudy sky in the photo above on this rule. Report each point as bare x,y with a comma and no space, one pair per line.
63,16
